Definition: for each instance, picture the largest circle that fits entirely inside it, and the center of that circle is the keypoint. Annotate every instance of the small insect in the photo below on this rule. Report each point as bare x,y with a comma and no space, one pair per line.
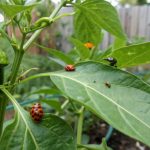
89,45
107,84
94,81
70,68
36,112
112,61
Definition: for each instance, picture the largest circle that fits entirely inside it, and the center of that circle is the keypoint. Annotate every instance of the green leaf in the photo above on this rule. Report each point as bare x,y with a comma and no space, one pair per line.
124,105
90,31
51,133
82,51
57,61
58,54
132,55
118,43
73,55
102,54
46,91
99,13
12,10
53,103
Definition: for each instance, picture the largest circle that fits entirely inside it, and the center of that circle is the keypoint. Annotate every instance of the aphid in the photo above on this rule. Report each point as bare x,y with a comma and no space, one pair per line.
69,68
94,81
112,61
89,45
36,112
107,84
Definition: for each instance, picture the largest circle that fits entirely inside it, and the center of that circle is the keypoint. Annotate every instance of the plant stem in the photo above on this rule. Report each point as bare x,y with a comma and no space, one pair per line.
80,124
15,67
35,35
17,61
2,101
63,106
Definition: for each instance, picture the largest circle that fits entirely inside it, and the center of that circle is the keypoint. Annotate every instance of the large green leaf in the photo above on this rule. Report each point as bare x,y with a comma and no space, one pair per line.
132,55
51,133
96,14
125,104
12,10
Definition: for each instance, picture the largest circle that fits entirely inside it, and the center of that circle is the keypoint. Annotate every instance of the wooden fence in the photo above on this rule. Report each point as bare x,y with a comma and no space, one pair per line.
135,21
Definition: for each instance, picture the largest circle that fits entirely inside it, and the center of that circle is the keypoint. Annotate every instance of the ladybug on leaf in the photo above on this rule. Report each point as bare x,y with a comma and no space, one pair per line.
69,68
37,112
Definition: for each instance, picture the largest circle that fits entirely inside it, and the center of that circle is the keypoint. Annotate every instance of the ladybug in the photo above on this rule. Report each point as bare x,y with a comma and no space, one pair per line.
89,45
112,61
94,81
107,84
70,68
36,112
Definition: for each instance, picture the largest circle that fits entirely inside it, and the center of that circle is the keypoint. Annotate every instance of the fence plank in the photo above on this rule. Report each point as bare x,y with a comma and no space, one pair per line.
134,21
148,24
142,21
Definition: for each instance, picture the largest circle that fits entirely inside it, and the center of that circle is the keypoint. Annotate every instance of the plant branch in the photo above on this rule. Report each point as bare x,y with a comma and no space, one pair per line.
80,124
17,61
35,35
63,15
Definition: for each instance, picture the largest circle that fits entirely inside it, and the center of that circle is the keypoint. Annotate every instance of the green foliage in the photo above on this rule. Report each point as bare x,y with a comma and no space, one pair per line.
123,99
12,10
94,15
80,49
132,55
26,134
53,103
115,96
58,54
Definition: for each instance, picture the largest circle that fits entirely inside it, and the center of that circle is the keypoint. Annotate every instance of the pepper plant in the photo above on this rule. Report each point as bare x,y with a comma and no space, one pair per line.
92,81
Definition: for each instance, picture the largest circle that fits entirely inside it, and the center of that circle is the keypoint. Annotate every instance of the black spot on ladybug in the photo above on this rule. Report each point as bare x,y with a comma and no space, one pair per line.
107,84
112,61
36,112
69,68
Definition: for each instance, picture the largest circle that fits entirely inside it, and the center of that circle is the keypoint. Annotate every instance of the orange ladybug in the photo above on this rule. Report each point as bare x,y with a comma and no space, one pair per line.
70,68
89,45
37,112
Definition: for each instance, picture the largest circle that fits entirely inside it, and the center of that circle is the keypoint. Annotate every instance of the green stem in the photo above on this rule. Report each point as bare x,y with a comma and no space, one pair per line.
15,67
63,106
80,124
17,61
63,15
35,35
2,101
